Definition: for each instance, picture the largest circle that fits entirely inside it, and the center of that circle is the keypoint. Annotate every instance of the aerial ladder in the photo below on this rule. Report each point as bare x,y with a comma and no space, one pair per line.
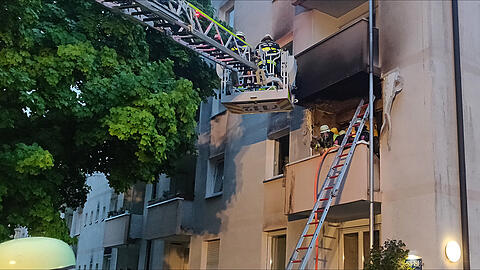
330,189
245,88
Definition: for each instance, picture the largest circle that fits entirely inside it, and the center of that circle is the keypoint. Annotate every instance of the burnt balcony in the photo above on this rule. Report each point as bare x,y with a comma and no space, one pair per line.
274,204
337,66
333,8
169,218
121,229
352,200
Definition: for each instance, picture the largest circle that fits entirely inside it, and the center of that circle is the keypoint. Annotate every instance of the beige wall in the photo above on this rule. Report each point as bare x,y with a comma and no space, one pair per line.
419,174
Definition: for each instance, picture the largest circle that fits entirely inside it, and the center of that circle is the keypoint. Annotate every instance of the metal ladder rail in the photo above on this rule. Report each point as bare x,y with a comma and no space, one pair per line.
317,203
332,189
161,15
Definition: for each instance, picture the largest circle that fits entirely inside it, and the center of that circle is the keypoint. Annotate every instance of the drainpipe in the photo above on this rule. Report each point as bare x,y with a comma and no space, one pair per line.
370,114
460,138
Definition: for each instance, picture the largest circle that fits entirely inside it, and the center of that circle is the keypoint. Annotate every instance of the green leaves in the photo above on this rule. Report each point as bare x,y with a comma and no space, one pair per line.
83,90
391,256
31,159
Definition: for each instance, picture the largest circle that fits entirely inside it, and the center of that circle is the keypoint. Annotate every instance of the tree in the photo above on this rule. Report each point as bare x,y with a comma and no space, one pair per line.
85,90
391,256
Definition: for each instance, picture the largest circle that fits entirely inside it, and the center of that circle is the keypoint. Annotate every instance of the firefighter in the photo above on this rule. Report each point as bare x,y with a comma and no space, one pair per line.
338,140
324,141
240,45
36,253
268,56
335,133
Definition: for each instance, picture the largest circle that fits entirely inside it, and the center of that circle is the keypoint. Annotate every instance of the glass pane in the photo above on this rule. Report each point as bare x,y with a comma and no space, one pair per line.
279,247
350,251
219,176
366,243
231,17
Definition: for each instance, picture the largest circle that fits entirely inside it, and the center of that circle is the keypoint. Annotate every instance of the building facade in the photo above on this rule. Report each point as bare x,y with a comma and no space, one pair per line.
247,199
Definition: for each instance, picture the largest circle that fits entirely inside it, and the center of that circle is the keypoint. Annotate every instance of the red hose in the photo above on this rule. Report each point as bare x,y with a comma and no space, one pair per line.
320,164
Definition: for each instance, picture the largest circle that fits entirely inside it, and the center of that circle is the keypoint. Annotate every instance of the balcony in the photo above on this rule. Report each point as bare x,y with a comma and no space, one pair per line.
168,218
121,229
274,204
352,201
337,66
333,8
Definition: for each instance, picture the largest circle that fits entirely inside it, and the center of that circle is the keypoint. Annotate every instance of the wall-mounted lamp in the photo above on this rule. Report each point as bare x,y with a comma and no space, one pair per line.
453,251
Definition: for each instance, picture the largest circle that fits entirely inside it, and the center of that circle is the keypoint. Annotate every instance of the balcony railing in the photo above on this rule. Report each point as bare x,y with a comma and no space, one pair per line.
350,203
121,229
336,67
168,218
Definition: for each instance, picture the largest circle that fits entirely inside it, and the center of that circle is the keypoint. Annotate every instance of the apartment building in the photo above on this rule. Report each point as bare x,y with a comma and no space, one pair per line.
245,200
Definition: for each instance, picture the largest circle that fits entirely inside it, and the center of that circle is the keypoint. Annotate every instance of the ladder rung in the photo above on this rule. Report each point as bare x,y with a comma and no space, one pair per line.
308,235
297,261
314,222
319,210
356,125
343,155
324,199
339,165
335,176
364,106
348,144
128,6
361,115
330,187
303,248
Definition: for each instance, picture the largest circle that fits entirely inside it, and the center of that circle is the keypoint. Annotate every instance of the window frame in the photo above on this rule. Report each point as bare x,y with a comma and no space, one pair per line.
270,237
212,176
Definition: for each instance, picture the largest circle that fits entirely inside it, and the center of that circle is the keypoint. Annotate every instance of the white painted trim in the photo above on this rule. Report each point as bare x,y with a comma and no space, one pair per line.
164,202
118,216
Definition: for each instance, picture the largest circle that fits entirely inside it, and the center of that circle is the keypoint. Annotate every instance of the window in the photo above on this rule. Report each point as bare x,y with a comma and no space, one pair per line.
91,263
86,218
282,146
230,17
154,190
213,250
356,246
215,177
98,212
91,217
96,266
278,249
104,212
113,202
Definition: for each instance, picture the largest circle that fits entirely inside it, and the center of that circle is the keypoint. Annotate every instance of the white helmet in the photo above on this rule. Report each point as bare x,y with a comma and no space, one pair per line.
240,34
267,37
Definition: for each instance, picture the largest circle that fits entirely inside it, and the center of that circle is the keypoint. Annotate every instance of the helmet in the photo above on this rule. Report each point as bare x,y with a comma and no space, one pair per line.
267,37
334,130
324,128
342,132
240,34
36,253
